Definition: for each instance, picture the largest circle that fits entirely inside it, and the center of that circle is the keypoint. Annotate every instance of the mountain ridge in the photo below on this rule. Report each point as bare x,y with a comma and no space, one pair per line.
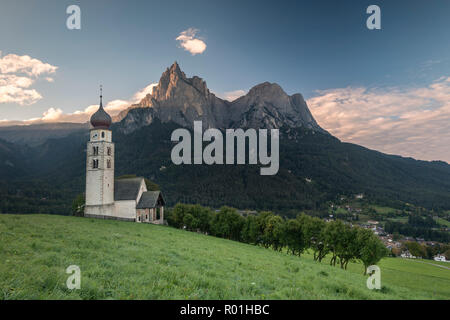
315,167
183,100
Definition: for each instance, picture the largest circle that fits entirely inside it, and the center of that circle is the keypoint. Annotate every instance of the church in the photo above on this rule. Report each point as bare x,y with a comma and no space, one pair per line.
108,198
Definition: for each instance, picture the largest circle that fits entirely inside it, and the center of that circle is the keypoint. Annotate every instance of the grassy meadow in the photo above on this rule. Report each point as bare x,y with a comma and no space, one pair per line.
123,260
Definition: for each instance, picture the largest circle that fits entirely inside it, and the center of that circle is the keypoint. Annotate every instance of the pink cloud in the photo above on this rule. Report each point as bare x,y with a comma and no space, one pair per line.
411,122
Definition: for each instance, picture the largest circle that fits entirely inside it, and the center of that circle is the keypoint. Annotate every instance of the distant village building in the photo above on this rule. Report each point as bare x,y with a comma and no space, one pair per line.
440,257
107,198
406,254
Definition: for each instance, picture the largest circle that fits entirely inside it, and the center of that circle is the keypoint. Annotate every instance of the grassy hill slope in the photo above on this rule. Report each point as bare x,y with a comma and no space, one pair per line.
123,260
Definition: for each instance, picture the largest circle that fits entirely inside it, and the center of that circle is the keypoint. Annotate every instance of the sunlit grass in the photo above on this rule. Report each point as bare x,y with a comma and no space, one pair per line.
123,260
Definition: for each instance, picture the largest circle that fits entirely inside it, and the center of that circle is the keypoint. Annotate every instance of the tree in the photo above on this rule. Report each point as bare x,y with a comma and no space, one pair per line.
78,205
333,233
347,247
176,216
292,237
273,232
314,232
416,249
371,248
189,221
228,224
447,254
194,217
250,230
262,222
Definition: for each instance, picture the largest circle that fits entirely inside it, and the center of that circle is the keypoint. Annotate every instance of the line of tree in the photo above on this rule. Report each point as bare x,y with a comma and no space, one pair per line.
335,238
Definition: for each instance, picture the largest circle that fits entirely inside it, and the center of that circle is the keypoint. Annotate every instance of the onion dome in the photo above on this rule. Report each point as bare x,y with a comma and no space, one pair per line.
101,119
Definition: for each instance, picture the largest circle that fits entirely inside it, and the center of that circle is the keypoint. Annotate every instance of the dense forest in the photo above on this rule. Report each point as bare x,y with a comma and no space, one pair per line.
314,168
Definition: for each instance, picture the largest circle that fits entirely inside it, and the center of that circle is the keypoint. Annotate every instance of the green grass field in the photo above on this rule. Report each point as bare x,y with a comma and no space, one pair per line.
384,210
442,221
123,260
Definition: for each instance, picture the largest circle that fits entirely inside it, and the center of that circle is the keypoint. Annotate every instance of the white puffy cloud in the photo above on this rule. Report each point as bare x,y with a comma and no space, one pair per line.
188,41
13,63
52,114
17,74
412,122
16,81
17,94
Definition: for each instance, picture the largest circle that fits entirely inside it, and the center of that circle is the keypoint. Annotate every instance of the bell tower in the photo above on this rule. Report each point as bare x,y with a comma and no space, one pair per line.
100,165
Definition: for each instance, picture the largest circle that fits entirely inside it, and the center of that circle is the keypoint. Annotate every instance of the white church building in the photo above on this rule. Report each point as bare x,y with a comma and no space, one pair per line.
106,198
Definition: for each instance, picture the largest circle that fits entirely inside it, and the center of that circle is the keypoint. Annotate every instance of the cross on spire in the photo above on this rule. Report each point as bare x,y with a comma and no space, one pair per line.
101,94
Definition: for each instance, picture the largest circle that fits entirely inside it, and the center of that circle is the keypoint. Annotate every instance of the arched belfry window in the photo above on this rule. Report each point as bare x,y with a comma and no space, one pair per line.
95,164
103,134
95,151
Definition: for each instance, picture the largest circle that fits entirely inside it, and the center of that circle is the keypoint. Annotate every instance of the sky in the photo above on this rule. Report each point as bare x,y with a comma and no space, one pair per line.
386,89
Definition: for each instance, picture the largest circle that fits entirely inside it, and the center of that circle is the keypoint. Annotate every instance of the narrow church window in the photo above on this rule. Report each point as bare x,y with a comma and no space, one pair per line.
94,164
109,151
103,134
108,163
95,151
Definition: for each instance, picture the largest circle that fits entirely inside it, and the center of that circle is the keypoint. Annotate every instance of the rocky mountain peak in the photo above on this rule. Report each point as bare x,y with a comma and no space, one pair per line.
183,100
267,105
266,88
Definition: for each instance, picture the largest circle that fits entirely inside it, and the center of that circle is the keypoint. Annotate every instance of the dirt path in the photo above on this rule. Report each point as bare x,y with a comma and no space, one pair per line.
433,264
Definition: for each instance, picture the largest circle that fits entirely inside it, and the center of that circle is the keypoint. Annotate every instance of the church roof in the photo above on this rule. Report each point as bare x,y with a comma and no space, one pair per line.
127,189
149,199
101,119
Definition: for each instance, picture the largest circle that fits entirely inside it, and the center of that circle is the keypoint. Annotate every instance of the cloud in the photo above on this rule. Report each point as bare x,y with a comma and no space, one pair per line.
13,63
138,96
189,42
12,94
17,74
113,107
231,95
16,81
411,122
52,114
